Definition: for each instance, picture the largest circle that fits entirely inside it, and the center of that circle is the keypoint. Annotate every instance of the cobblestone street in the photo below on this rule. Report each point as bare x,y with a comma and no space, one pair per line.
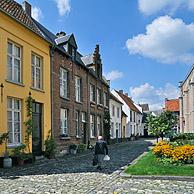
77,175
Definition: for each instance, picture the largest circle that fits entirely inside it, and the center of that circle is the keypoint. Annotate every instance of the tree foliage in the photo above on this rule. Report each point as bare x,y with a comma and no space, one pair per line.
162,124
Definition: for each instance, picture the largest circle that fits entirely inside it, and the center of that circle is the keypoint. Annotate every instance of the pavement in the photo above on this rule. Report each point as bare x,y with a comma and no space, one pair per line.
75,174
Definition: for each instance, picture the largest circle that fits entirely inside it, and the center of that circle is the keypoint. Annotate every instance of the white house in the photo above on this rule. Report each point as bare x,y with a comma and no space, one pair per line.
133,112
115,108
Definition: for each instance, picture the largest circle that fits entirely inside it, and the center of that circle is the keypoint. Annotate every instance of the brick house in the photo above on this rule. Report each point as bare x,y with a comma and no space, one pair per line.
80,93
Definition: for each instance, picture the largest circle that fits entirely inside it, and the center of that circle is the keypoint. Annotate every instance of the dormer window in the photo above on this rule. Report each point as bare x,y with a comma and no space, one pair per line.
71,51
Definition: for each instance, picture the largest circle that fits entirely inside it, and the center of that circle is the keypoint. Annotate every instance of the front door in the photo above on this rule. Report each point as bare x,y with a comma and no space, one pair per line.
37,129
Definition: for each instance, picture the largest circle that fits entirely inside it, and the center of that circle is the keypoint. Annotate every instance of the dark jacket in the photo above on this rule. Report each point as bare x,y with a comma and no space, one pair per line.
101,148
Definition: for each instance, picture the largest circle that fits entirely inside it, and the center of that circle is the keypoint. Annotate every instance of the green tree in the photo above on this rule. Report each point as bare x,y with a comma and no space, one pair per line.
106,125
162,124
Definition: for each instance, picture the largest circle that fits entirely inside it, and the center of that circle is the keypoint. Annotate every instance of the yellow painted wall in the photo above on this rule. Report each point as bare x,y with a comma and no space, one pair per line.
30,42
124,123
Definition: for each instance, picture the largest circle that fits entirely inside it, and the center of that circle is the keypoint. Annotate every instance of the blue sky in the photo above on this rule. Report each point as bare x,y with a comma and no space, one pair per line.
146,45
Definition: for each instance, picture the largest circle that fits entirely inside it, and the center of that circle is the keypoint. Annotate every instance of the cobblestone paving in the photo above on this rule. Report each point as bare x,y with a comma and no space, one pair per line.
77,175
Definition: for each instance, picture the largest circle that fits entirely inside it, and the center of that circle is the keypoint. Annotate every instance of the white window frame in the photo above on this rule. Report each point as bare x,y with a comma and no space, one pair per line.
98,125
118,112
13,110
83,117
99,96
64,121
13,57
92,126
105,99
77,89
77,119
92,93
63,77
35,68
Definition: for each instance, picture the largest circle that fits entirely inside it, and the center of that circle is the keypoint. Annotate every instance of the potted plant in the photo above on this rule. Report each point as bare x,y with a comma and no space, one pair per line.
19,153
73,149
7,161
81,148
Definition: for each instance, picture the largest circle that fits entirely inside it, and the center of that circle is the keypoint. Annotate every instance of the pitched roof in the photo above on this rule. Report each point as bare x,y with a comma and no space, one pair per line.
124,114
145,107
172,105
115,98
129,102
15,10
88,59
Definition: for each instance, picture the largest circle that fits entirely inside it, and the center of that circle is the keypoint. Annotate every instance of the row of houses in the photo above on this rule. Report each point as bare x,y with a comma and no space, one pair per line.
70,94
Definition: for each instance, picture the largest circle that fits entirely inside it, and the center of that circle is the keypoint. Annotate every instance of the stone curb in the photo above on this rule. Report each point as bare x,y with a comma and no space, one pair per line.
152,177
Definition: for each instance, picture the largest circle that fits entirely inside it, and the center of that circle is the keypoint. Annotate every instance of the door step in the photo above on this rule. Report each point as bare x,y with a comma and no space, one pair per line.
39,157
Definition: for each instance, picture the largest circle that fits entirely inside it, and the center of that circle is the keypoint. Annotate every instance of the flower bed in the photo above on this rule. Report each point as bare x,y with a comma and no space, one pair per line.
174,154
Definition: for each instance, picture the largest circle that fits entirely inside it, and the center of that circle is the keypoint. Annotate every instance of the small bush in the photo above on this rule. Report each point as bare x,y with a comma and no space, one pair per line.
81,147
50,147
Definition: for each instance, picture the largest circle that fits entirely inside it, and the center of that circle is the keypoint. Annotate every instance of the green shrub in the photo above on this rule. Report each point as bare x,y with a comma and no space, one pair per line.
50,146
81,147
73,147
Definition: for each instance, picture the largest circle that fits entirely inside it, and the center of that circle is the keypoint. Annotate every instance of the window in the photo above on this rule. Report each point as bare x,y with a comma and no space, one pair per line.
98,125
99,96
14,120
64,121
91,126
113,110
77,123
134,119
119,130
112,129
118,112
63,83
130,116
78,89
14,62
83,117
92,93
36,71
105,99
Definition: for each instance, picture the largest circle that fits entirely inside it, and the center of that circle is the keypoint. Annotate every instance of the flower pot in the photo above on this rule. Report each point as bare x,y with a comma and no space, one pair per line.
20,162
7,162
72,151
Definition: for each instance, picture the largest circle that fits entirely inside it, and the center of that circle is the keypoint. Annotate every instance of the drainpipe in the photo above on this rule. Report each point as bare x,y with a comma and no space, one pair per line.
52,86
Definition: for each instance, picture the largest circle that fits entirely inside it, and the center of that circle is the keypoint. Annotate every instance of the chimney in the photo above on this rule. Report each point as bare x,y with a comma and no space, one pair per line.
27,8
126,94
60,34
97,49
121,91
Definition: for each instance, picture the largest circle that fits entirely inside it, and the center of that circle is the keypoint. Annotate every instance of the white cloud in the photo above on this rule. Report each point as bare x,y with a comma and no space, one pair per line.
155,97
113,75
149,7
63,6
166,40
36,13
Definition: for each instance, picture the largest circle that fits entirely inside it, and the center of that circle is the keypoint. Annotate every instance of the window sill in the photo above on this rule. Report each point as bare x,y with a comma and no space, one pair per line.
78,137
10,146
37,89
16,83
64,98
79,102
65,138
92,137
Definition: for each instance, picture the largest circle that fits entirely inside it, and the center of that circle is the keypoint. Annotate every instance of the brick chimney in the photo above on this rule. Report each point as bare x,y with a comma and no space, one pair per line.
27,8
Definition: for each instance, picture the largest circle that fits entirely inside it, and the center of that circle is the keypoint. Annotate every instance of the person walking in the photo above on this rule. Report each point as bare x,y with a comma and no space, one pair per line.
100,151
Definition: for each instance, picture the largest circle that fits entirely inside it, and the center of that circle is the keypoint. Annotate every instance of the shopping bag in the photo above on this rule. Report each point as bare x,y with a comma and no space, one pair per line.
95,160
106,158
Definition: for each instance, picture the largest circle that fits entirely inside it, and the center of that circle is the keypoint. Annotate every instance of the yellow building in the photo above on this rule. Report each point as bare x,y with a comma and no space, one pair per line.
24,71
